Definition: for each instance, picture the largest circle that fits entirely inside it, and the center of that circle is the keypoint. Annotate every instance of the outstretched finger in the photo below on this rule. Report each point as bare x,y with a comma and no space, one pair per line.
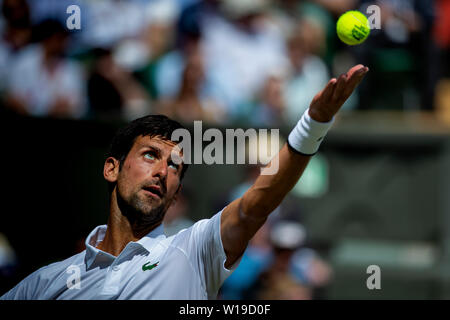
340,87
328,91
355,69
357,75
355,79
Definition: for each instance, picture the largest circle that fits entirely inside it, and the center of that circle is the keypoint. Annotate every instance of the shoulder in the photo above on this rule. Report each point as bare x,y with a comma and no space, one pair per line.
47,274
201,233
26,61
53,269
35,284
28,57
197,228
71,71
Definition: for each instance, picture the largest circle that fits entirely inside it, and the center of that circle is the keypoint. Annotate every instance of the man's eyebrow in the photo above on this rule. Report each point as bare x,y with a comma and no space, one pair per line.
153,148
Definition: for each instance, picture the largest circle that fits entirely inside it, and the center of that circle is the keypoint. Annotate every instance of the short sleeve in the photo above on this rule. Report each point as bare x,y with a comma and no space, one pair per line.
205,249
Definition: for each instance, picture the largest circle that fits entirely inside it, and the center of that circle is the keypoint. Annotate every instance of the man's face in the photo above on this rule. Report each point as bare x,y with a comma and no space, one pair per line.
148,181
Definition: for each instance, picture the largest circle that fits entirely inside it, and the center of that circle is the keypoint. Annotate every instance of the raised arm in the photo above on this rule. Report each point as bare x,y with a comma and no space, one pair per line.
242,218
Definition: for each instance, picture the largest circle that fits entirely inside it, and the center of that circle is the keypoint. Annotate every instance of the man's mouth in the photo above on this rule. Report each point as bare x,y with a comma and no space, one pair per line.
154,191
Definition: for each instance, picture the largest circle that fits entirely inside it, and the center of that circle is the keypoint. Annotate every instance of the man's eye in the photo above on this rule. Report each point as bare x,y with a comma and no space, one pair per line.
149,156
174,166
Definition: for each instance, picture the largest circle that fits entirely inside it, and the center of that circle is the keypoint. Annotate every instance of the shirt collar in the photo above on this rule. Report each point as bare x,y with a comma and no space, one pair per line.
93,239
153,237
98,234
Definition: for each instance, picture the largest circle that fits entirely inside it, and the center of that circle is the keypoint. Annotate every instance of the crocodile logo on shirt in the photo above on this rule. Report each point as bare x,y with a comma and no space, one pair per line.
146,266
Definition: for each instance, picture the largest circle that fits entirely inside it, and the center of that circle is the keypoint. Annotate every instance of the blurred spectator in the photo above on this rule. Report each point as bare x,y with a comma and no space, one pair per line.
308,73
190,103
110,21
103,96
242,48
442,25
259,254
156,42
284,287
256,259
309,269
337,7
441,34
402,56
8,264
265,264
182,80
153,39
169,69
42,81
276,263
285,14
7,254
268,106
52,9
310,34
42,10
192,17
159,34
295,271
16,27
15,34
288,14
113,91
255,60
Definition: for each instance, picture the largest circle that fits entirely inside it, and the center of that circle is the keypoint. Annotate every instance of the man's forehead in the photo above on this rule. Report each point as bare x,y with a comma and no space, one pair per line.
155,141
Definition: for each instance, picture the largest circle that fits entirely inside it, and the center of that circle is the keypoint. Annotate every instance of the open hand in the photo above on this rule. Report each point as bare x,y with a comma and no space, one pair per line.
328,101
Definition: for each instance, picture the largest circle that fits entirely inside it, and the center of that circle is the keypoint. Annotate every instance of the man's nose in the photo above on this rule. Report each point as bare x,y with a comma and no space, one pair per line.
161,169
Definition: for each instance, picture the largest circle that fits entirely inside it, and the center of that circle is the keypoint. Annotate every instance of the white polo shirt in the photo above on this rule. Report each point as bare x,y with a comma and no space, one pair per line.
186,266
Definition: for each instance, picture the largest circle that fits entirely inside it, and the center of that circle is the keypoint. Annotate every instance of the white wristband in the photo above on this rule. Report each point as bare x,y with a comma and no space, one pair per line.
307,135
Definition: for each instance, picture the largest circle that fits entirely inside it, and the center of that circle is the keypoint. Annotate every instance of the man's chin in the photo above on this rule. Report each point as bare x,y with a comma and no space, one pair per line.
145,214
148,209
150,203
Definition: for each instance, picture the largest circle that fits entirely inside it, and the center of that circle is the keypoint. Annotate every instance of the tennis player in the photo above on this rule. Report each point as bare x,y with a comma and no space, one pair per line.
131,258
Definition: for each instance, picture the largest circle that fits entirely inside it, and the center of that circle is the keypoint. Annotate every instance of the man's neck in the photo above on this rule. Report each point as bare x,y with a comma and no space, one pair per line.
118,235
119,231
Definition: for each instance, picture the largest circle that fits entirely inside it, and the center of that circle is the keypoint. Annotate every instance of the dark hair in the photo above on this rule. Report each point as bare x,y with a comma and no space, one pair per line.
16,13
152,126
48,28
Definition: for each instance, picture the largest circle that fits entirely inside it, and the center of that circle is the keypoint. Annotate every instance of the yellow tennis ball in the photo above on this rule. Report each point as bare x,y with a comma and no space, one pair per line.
353,28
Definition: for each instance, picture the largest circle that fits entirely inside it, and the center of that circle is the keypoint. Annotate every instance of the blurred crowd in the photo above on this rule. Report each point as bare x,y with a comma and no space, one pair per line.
280,262
226,62
257,62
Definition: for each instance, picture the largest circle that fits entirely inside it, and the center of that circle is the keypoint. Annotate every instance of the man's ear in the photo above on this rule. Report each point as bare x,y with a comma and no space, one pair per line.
111,169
